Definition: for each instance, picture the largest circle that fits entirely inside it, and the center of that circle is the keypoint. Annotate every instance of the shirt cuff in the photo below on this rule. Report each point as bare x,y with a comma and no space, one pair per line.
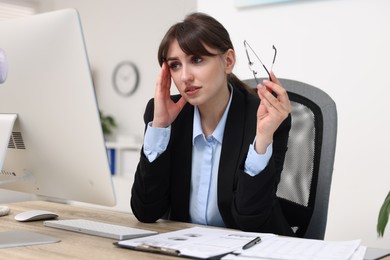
255,162
155,141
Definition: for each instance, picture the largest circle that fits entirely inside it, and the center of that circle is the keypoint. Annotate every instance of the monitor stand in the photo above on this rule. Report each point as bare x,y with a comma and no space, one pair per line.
7,122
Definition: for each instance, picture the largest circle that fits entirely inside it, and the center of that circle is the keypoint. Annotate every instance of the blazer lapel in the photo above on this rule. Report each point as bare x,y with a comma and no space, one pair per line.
181,139
231,154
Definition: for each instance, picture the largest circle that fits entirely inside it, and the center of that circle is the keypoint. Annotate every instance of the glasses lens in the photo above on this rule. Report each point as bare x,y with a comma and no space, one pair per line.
255,62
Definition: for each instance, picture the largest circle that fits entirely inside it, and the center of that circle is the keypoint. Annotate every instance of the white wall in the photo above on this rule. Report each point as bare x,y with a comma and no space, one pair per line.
342,47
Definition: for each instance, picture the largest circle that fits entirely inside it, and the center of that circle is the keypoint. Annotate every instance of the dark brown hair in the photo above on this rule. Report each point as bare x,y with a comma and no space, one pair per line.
193,34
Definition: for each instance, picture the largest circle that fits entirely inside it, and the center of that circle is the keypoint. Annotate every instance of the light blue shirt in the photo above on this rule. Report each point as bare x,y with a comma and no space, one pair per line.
206,154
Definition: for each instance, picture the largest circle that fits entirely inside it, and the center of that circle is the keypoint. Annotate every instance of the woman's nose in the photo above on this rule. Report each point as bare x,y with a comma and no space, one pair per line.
186,74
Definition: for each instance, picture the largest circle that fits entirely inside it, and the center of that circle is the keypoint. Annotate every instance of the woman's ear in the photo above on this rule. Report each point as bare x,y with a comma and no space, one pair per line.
230,60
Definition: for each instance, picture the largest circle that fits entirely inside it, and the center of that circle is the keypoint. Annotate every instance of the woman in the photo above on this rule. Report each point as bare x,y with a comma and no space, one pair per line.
212,155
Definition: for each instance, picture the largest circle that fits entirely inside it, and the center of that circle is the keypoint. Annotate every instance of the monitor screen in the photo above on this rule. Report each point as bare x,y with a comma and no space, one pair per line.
56,148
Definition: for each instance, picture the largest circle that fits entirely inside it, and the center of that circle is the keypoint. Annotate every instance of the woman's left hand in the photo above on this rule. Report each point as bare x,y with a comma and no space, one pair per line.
272,111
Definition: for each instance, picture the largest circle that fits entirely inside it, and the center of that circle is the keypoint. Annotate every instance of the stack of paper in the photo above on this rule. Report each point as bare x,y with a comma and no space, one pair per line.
205,242
279,247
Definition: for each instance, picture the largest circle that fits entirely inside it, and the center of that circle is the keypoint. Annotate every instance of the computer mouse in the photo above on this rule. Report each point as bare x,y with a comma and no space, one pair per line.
4,210
33,215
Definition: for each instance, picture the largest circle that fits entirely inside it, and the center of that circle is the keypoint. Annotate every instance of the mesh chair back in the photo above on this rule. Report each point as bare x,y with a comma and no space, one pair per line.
305,182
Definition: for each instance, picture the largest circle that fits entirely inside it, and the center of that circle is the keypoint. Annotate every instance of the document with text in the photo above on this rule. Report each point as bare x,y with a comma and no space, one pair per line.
287,248
198,242
208,242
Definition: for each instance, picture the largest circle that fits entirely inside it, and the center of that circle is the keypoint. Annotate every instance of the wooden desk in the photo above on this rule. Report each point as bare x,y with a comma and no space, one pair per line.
74,245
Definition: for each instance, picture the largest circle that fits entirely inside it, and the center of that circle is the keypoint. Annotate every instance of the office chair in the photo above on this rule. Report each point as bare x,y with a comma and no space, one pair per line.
306,178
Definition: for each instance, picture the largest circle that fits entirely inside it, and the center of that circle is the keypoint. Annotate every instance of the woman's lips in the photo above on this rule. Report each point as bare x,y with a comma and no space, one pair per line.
191,91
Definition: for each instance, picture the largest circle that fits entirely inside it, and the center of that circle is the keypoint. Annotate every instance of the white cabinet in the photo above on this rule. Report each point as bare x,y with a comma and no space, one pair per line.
124,157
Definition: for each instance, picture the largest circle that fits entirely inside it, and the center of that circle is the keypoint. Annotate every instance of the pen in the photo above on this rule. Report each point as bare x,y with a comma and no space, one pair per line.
158,249
252,243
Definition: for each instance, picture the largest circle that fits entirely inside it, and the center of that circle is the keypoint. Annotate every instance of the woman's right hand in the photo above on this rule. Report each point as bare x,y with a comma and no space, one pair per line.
165,110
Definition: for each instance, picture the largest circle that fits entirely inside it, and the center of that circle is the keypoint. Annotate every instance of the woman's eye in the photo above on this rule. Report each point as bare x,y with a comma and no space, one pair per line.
197,60
174,65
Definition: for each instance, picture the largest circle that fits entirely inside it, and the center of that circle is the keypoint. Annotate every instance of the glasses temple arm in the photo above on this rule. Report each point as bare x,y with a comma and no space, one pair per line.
275,52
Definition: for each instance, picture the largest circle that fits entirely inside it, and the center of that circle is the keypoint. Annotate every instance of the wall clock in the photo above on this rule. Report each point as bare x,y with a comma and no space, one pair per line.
125,78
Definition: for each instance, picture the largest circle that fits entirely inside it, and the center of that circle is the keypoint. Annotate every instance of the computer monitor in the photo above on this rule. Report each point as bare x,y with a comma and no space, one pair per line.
56,148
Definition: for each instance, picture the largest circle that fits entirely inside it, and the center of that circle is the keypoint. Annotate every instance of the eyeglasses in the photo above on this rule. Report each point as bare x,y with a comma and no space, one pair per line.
252,64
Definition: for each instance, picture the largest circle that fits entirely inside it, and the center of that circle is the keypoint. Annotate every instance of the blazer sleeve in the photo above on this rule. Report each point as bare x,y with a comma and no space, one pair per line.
150,191
255,204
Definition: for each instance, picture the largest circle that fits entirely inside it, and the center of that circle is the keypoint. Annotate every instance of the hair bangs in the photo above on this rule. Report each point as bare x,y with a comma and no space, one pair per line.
191,42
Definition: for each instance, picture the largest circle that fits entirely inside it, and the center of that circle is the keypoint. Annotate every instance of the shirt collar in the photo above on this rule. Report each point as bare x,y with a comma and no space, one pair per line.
219,130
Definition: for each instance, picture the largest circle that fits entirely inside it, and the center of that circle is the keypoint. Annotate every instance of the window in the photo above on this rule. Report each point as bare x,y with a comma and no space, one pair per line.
17,8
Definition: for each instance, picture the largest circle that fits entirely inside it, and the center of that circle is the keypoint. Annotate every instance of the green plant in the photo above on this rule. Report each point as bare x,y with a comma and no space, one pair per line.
383,216
108,123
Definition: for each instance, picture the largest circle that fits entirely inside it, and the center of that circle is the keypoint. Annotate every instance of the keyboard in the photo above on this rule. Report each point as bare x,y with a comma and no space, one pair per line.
98,228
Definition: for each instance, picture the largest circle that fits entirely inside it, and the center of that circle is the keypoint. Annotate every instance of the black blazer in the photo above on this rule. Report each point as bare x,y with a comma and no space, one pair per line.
162,188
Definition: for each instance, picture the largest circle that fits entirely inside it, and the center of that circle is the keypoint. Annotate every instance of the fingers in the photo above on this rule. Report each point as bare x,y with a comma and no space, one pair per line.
275,79
165,110
164,80
181,103
275,87
281,102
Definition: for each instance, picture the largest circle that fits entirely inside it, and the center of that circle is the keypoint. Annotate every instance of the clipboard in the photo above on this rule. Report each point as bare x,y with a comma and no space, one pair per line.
214,243
166,251
194,243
